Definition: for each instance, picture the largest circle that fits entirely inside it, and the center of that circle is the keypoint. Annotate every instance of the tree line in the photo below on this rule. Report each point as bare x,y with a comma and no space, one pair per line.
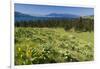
79,24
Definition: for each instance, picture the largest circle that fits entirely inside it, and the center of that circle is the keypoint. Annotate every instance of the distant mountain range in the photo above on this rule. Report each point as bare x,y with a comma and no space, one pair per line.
62,15
26,17
23,17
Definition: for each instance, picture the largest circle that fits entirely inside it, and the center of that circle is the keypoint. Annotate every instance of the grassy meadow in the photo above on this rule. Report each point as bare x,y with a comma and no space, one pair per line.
52,45
46,34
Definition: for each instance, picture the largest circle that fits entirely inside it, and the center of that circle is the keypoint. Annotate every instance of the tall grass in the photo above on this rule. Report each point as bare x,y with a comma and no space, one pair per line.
51,45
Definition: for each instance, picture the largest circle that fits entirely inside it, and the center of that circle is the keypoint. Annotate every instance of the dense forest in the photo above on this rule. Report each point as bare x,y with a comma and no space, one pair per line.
79,24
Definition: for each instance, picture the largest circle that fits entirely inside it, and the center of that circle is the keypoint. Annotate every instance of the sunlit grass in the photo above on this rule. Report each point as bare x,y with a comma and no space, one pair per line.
52,45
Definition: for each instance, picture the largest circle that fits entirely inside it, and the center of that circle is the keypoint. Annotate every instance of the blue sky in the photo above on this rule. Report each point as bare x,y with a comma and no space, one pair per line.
46,9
